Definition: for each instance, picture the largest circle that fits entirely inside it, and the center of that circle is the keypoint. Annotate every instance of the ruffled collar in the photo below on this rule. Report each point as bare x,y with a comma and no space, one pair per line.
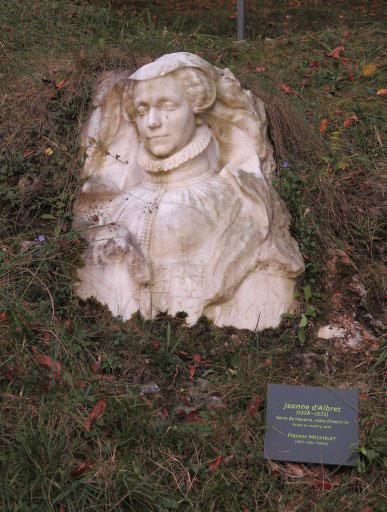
198,145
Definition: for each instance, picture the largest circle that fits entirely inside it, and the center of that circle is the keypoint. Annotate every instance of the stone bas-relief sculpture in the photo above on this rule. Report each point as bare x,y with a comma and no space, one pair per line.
178,207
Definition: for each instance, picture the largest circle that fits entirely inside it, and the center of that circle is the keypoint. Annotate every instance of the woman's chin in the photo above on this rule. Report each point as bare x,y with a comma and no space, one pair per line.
161,151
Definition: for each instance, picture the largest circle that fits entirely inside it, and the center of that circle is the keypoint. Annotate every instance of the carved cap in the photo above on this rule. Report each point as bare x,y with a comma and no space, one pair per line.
172,62
198,77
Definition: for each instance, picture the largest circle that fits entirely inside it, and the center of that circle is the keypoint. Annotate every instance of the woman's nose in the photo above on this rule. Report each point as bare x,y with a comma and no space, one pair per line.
154,120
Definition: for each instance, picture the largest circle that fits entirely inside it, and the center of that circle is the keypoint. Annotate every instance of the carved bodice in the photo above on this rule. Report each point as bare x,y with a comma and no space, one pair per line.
177,221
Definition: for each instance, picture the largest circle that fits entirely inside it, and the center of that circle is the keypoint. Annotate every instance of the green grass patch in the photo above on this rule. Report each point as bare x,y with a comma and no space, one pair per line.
176,398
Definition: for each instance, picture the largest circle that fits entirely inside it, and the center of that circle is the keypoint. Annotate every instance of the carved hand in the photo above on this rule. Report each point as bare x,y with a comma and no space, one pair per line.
112,242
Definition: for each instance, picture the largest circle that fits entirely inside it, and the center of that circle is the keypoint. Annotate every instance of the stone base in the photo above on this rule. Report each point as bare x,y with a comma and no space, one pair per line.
257,304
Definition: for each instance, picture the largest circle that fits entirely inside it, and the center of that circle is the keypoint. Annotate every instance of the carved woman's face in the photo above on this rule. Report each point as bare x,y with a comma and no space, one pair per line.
164,118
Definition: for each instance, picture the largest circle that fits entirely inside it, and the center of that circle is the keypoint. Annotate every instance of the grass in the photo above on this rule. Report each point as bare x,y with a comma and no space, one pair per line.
155,451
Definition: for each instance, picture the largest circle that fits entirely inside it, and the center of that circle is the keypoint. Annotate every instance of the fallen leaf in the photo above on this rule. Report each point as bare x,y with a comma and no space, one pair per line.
276,468
68,323
194,416
164,413
369,69
254,405
323,484
314,64
27,244
336,52
192,372
286,89
46,336
48,152
260,69
175,374
147,402
95,414
80,469
96,365
48,362
10,373
60,84
382,92
3,316
367,509
108,378
214,465
295,470
228,459
349,121
324,125
197,358
156,345
29,152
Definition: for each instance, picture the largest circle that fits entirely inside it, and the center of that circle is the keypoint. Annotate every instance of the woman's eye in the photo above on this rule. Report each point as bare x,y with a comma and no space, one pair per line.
141,111
168,105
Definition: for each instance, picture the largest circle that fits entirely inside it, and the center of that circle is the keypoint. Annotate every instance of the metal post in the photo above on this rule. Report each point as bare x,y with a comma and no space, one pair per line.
241,25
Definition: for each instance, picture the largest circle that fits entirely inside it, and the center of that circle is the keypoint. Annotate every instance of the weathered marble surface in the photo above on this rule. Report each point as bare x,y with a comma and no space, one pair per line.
178,207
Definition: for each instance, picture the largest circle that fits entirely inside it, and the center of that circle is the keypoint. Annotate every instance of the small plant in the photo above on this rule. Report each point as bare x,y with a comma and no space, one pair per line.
310,312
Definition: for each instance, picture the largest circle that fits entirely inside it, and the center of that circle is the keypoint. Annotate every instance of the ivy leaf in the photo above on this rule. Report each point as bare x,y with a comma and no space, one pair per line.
301,335
303,321
307,292
301,329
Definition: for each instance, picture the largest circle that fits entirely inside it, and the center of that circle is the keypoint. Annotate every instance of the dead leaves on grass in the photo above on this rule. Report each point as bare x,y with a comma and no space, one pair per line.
349,121
316,476
369,69
324,125
48,362
81,468
254,406
286,89
216,463
335,53
95,414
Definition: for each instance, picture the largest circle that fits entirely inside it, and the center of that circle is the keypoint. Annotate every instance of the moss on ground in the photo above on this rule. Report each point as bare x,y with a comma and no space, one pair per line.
155,451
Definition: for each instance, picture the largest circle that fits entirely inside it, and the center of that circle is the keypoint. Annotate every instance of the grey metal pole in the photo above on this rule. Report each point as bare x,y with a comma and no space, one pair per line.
241,25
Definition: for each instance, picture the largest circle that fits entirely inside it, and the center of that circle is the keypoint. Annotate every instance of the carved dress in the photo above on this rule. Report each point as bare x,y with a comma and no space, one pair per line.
210,240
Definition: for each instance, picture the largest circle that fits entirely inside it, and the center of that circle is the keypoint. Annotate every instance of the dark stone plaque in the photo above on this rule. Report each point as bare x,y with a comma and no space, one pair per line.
312,424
